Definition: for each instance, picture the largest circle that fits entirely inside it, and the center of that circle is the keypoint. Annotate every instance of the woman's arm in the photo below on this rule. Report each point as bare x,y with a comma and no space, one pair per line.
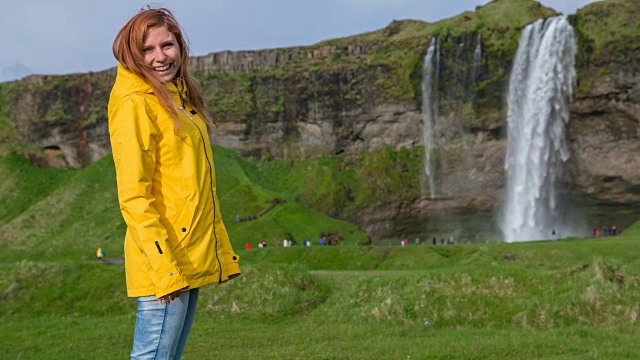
133,141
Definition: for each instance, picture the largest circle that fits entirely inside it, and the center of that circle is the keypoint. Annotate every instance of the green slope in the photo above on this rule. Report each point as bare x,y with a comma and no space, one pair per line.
51,214
583,292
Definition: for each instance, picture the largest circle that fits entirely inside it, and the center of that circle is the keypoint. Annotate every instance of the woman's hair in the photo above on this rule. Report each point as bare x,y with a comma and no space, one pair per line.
127,48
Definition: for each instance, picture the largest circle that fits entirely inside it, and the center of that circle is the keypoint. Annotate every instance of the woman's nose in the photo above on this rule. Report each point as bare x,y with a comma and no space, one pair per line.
159,55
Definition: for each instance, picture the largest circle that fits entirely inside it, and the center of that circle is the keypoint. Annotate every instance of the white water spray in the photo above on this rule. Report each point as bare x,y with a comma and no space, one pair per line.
540,88
477,58
429,109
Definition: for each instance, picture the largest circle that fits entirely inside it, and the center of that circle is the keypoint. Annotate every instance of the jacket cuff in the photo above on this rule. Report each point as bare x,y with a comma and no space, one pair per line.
232,264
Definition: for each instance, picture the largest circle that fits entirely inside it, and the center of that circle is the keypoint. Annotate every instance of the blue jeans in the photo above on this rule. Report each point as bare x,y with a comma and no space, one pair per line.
162,330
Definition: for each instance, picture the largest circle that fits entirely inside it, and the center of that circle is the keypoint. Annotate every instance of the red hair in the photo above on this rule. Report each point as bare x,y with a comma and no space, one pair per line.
127,49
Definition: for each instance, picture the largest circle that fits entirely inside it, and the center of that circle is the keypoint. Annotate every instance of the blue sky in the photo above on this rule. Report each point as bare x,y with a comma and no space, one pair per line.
69,36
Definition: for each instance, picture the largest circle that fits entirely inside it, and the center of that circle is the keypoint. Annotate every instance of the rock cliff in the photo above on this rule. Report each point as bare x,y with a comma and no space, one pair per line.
362,94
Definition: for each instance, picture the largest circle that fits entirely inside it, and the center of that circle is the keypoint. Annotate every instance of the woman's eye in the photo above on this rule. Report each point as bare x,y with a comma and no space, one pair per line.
146,50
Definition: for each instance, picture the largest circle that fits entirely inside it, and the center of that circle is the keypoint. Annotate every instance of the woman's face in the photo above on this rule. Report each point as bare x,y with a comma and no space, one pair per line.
162,53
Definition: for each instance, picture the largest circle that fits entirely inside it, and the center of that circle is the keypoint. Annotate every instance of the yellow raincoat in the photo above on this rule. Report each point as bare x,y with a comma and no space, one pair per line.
167,193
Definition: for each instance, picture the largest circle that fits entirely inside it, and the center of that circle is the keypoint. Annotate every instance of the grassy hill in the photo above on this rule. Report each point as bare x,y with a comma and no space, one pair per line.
54,214
569,299
554,300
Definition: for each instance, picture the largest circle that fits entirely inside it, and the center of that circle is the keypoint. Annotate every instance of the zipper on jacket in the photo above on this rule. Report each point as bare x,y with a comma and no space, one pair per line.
210,164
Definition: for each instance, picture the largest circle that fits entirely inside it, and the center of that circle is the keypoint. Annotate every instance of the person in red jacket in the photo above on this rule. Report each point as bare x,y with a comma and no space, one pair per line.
175,241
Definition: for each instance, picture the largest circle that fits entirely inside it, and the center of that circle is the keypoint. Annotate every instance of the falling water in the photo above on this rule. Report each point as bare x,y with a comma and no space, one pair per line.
429,108
540,89
477,57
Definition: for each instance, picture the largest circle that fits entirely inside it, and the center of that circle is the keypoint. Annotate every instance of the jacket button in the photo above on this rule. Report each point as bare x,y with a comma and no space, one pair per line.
184,229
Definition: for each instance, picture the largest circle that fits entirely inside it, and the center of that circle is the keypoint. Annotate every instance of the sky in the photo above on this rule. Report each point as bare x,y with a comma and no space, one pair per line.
70,36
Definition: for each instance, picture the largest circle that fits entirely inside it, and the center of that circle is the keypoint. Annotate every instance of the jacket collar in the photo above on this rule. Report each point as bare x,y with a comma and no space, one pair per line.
128,82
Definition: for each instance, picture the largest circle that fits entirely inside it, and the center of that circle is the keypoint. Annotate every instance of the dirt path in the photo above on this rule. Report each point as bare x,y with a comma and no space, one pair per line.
112,260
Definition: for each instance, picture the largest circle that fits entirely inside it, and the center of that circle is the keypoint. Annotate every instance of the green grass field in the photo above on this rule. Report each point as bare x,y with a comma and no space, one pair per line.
568,299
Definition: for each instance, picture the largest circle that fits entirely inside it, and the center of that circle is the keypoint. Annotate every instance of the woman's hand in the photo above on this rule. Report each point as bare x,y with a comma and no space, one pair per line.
171,296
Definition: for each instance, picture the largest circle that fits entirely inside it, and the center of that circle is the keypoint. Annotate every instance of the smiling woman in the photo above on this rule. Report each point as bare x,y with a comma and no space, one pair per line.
175,241
162,53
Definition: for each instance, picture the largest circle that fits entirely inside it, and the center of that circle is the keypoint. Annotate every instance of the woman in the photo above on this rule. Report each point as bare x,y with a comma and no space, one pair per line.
175,241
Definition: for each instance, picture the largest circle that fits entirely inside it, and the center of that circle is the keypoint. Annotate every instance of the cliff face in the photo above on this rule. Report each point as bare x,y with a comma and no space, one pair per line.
362,94
61,120
605,113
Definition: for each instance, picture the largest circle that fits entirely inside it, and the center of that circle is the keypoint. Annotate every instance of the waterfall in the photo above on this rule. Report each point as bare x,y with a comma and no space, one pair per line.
477,57
540,89
429,108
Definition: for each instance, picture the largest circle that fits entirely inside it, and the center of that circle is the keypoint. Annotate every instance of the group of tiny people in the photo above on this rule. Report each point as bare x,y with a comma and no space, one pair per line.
434,241
248,218
261,244
606,231
404,241
322,241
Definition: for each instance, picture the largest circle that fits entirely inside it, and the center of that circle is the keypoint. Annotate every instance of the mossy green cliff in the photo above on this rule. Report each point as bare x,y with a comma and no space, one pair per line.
356,103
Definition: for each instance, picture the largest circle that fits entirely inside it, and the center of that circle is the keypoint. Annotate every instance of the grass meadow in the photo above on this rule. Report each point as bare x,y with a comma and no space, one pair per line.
567,299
